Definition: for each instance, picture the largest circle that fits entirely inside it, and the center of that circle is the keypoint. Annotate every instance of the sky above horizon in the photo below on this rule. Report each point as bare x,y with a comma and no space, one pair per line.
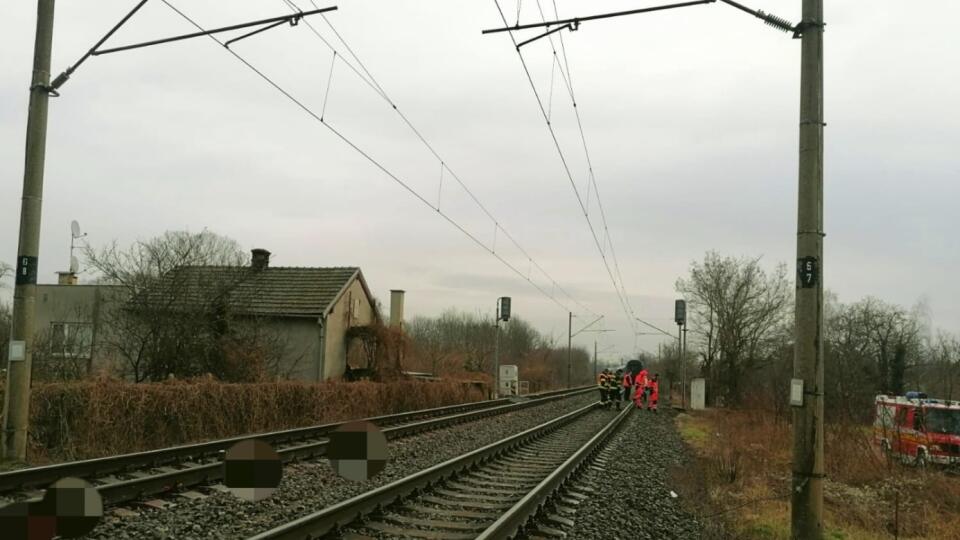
690,117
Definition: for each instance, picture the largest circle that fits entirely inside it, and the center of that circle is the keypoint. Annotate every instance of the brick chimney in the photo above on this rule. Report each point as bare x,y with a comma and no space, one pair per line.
66,278
260,259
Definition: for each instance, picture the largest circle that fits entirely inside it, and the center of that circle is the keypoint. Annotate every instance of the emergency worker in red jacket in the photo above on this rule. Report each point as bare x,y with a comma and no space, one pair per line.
640,383
653,385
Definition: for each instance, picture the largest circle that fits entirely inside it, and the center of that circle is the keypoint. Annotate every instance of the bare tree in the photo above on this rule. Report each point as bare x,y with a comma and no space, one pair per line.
872,347
944,366
736,310
178,311
6,320
6,314
5,269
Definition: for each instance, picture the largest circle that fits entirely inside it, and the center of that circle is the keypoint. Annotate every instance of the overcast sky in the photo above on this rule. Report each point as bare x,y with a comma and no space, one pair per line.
690,117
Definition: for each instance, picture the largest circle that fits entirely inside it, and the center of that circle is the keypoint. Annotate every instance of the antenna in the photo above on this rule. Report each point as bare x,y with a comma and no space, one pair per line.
74,234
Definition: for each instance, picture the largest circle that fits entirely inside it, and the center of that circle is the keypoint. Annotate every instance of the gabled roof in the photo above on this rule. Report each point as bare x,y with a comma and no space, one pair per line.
272,291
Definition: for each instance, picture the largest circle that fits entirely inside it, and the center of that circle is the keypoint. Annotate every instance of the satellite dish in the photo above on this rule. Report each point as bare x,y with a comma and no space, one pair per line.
75,229
74,264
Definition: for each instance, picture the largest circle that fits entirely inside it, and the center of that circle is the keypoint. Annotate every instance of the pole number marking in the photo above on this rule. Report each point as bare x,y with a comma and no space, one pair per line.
808,272
26,270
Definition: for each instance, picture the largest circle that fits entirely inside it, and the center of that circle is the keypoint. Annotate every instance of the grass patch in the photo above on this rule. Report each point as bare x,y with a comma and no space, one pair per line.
693,430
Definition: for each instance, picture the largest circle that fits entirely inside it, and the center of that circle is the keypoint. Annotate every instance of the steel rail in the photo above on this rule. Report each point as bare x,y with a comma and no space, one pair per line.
119,490
329,519
512,522
125,490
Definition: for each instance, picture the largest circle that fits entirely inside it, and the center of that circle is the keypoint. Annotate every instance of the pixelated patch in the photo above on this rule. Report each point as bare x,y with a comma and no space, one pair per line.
357,451
70,508
252,470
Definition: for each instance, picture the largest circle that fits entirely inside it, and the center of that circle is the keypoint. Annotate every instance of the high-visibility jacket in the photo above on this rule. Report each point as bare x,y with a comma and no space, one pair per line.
627,380
603,380
641,378
654,387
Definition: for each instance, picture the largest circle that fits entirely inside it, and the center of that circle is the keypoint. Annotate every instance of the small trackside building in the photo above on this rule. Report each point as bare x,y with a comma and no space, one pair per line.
310,310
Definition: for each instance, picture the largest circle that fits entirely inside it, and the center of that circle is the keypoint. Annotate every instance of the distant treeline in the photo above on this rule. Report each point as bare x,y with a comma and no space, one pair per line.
457,342
742,336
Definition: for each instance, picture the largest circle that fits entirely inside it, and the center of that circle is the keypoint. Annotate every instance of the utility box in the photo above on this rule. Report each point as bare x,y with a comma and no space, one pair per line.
509,380
698,394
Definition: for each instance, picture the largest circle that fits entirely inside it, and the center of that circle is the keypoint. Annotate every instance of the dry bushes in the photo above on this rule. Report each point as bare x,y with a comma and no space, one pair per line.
100,417
746,458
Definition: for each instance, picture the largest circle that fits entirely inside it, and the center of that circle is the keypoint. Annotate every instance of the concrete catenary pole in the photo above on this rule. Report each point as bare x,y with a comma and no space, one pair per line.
806,514
569,345
17,398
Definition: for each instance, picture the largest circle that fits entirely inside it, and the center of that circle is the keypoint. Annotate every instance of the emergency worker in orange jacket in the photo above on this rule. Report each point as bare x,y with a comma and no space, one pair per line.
653,384
640,382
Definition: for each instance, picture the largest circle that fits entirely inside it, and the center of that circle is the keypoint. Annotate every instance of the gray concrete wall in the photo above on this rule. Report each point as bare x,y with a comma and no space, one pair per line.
353,308
86,304
300,337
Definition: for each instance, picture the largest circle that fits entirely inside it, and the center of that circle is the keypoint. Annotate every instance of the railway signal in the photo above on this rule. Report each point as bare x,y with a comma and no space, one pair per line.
503,314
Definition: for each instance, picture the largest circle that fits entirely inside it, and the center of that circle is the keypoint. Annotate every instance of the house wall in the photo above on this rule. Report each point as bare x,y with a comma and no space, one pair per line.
86,304
300,337
353,308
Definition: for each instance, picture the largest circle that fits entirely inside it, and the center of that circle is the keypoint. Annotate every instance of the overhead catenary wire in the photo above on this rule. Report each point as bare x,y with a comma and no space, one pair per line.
618,289
583,138
568,80
372,82
306,109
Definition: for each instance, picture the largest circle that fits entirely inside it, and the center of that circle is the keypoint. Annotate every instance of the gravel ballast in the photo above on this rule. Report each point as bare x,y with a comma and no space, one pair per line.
310,486
632,492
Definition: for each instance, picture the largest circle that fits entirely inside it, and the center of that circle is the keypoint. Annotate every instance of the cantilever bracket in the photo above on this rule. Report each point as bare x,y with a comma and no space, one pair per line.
272,22
572,26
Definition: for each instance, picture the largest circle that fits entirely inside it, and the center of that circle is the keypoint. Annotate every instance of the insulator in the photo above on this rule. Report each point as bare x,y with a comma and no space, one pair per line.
776,22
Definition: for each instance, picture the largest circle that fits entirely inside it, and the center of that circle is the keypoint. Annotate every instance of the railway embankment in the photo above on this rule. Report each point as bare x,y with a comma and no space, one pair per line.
646,487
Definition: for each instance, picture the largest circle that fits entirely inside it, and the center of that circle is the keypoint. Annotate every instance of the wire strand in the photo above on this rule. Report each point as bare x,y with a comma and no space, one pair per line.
302,106
375,85
618,289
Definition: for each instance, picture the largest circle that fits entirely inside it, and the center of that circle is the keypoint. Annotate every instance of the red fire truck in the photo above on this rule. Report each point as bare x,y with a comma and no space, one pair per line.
919,430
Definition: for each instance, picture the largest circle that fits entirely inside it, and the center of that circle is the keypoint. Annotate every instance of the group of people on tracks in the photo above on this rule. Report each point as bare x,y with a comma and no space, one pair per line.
643,389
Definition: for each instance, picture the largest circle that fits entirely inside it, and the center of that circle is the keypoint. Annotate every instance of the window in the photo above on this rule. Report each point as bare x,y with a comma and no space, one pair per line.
885,414
943,421
69,339
902,416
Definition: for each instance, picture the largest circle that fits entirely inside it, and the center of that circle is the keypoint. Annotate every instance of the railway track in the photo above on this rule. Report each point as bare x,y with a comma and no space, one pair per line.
492,492
128,477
